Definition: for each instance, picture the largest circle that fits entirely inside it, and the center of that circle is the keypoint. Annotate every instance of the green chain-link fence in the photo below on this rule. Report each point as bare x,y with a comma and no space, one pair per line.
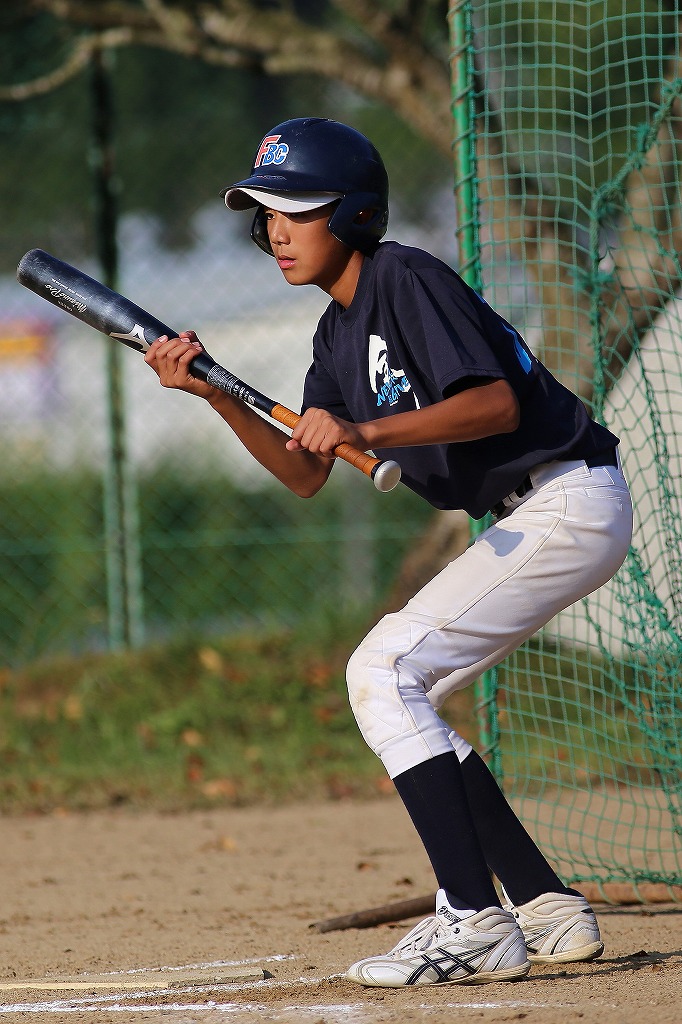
569,161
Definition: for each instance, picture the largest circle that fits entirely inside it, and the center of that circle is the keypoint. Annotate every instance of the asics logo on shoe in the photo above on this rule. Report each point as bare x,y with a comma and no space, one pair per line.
445,966
533,936
447,914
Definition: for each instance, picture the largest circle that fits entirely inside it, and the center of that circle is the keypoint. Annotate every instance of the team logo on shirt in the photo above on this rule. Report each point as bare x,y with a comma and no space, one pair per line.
387,383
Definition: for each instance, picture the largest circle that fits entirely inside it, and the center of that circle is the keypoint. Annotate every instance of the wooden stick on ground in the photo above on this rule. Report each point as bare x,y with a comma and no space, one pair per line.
614,893
385,914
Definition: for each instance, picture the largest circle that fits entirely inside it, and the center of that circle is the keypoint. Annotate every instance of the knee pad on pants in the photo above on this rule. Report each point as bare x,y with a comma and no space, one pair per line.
389,697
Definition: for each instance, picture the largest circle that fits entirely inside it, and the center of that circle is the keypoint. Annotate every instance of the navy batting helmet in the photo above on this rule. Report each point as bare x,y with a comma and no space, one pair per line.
309,162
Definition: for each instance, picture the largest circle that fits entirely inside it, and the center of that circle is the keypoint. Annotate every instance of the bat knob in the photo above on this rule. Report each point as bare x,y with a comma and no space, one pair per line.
386,475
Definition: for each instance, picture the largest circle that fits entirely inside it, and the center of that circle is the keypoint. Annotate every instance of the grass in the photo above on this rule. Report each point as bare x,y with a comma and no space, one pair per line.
254,717
264,717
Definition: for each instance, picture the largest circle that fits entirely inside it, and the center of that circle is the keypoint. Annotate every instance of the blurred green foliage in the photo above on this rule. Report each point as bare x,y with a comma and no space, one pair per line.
560,81
263,716
232,556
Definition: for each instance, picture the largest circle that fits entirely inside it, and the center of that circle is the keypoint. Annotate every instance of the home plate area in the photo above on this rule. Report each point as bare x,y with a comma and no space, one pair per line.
190,993
114,916
244,992
120,991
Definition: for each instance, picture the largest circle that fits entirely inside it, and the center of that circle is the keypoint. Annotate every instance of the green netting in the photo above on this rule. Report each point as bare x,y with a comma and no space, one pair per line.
569,123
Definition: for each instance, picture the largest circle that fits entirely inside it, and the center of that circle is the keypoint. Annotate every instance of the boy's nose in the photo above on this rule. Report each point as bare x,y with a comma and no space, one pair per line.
277,228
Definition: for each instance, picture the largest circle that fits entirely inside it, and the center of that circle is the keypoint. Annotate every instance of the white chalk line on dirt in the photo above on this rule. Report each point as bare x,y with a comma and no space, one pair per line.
119,979
275,958
333,1011
111,1002
108,1001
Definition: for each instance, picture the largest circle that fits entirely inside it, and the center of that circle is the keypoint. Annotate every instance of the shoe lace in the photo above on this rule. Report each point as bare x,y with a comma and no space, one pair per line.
422,936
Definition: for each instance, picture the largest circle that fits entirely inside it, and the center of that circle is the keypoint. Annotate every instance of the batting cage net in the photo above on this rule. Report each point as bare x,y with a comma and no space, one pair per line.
568,145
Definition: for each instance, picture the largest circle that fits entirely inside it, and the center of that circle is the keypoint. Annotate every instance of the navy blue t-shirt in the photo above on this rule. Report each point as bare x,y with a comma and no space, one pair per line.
415,334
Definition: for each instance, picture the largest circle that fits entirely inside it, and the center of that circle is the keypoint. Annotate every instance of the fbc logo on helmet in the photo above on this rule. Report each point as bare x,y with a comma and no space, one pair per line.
271,151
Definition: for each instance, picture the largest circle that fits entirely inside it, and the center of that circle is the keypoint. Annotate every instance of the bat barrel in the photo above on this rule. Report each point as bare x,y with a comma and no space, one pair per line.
90,301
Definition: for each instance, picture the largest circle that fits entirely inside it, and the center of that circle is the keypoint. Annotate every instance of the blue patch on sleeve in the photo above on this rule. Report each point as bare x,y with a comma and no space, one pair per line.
521,353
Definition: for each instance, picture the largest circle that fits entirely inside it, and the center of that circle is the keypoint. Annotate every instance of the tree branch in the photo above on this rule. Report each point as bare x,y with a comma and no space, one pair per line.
234,33
99,14
286,46
647,268
78,58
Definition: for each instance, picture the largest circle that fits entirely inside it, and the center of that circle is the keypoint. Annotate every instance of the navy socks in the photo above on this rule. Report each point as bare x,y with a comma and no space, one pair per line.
465,823
509,851
434,796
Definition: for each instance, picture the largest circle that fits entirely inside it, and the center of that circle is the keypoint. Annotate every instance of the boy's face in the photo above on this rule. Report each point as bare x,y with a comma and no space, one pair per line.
305,249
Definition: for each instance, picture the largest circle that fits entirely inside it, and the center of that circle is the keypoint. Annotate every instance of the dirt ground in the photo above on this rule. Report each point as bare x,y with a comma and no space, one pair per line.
112,898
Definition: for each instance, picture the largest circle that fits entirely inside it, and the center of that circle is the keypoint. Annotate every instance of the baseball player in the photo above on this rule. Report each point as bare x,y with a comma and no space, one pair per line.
411,363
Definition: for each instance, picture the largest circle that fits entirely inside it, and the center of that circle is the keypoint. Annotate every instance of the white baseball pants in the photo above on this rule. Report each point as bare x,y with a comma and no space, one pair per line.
561,541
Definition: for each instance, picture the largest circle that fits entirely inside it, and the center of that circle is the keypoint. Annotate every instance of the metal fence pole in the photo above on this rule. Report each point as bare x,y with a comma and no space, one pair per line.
467,234
464,142
123,556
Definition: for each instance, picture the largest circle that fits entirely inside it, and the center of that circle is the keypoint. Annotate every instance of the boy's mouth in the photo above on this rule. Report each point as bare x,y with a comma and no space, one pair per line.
285,262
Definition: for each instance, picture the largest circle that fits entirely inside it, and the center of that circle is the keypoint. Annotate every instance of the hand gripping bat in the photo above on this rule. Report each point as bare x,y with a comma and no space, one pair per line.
119,318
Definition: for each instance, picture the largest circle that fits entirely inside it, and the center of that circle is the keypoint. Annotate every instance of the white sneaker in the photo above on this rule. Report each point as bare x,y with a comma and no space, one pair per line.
559,929
445,950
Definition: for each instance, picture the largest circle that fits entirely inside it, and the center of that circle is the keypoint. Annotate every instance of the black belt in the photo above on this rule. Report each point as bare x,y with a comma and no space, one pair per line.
607,458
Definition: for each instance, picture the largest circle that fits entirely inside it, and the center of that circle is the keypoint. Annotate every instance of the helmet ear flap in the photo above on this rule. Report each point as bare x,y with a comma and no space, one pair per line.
259,231
345,225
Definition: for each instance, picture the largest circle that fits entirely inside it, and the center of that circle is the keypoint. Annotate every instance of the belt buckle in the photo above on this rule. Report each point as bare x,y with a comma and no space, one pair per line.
521,491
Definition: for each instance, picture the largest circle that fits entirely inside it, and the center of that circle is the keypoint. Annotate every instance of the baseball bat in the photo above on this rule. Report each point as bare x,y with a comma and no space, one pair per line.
119,318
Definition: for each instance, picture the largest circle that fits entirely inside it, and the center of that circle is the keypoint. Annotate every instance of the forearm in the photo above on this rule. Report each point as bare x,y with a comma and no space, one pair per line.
301,471
478,412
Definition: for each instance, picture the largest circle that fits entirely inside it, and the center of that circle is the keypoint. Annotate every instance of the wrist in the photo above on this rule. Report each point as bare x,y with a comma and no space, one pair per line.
218,400
371,433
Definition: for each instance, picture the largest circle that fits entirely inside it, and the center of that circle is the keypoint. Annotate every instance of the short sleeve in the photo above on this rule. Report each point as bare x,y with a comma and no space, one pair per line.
442,328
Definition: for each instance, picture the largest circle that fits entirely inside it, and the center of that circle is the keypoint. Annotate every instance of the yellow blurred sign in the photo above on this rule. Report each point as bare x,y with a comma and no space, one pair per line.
24,341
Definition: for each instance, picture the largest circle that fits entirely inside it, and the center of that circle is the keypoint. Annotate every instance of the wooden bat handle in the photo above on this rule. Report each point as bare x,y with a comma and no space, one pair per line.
384,474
